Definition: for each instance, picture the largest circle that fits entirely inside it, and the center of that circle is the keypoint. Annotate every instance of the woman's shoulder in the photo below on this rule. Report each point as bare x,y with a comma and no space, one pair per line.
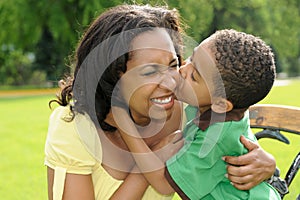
72,138
65,122
61,122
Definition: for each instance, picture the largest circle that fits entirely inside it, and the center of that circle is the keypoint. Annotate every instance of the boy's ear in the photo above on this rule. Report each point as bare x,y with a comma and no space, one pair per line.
221,105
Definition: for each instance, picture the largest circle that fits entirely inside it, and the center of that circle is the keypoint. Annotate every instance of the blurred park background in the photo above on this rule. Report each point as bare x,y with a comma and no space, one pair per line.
38,37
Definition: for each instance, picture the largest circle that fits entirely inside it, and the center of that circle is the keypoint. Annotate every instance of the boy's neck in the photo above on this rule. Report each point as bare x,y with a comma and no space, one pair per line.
209,117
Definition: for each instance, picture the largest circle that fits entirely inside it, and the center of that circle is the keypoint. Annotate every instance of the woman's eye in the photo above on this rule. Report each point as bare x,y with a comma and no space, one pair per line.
149,71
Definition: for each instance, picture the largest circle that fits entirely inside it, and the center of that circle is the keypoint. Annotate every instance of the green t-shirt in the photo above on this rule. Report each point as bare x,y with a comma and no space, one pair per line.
198,170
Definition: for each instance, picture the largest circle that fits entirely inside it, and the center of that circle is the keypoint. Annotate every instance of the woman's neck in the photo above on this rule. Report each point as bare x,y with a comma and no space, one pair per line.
147,128
138,120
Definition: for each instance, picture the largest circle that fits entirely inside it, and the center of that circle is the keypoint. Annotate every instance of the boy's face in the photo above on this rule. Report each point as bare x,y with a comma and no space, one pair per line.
197,76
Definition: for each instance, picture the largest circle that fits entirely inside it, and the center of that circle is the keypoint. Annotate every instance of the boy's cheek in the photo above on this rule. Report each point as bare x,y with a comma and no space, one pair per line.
186,93
180,82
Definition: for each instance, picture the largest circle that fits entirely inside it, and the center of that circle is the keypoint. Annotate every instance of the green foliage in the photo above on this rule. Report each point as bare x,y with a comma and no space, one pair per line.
50,29
15,68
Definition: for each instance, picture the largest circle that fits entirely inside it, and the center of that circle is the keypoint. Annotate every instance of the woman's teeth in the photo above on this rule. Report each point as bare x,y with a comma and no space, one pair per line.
162,100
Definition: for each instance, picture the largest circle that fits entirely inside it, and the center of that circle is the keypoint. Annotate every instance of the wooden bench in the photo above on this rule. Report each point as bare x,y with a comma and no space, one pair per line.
278,117
273,119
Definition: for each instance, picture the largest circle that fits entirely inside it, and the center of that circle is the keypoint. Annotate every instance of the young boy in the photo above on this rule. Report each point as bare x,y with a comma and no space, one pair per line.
227,73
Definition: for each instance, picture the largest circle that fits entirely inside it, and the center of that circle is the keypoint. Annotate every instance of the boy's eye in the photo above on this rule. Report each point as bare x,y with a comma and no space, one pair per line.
195,75
192,76
175,65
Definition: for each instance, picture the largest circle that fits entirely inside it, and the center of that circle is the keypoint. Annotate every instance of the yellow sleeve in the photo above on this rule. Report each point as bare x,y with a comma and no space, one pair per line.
66,151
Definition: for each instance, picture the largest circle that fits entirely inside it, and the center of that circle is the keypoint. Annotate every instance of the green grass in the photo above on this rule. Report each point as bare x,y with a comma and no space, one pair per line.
23,129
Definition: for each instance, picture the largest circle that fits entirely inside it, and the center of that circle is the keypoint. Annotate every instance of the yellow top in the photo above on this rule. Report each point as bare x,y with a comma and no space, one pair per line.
67,151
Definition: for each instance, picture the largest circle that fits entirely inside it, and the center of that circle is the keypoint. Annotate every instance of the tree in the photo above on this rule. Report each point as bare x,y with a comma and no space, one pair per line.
15,68
275,21
50,29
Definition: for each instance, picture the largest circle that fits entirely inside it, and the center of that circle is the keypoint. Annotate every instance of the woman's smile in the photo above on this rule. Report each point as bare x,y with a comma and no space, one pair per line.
166,102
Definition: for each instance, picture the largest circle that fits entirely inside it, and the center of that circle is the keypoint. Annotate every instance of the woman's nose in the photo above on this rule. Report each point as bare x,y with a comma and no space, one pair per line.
169,80
184,69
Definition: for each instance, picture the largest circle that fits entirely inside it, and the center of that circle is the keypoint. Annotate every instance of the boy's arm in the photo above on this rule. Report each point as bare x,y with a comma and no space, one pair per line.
133,187
148,162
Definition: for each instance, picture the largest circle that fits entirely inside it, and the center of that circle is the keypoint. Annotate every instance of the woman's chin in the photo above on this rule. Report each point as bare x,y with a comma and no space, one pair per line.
160,114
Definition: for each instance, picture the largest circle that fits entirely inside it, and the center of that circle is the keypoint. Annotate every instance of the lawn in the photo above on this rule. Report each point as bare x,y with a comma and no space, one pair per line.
23,128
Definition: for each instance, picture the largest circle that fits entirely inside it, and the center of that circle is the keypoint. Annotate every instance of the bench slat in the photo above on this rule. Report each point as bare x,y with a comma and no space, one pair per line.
277,117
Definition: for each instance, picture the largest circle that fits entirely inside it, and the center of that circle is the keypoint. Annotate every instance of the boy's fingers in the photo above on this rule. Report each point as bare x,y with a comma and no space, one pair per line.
178,145
177,137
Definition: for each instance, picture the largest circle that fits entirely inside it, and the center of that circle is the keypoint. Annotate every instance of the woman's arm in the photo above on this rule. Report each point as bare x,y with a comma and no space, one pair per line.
151,165
244,171
133,187
247,171
76,187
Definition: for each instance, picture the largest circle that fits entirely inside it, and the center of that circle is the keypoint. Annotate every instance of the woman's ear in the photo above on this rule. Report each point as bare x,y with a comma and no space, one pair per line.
221,105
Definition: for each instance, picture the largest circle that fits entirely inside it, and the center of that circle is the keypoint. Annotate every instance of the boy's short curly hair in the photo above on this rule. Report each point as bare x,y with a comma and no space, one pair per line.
246,65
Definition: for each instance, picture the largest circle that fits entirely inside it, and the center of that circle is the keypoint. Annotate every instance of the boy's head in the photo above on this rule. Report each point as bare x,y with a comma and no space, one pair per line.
238,70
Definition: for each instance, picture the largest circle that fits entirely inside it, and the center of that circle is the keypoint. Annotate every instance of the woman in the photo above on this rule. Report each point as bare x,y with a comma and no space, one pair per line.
85,154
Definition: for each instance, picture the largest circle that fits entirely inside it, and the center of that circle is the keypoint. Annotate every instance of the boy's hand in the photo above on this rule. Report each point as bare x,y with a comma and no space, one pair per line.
249,170
168,146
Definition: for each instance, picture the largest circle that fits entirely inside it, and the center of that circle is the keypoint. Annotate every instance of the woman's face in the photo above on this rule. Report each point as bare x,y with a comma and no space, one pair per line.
148,84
